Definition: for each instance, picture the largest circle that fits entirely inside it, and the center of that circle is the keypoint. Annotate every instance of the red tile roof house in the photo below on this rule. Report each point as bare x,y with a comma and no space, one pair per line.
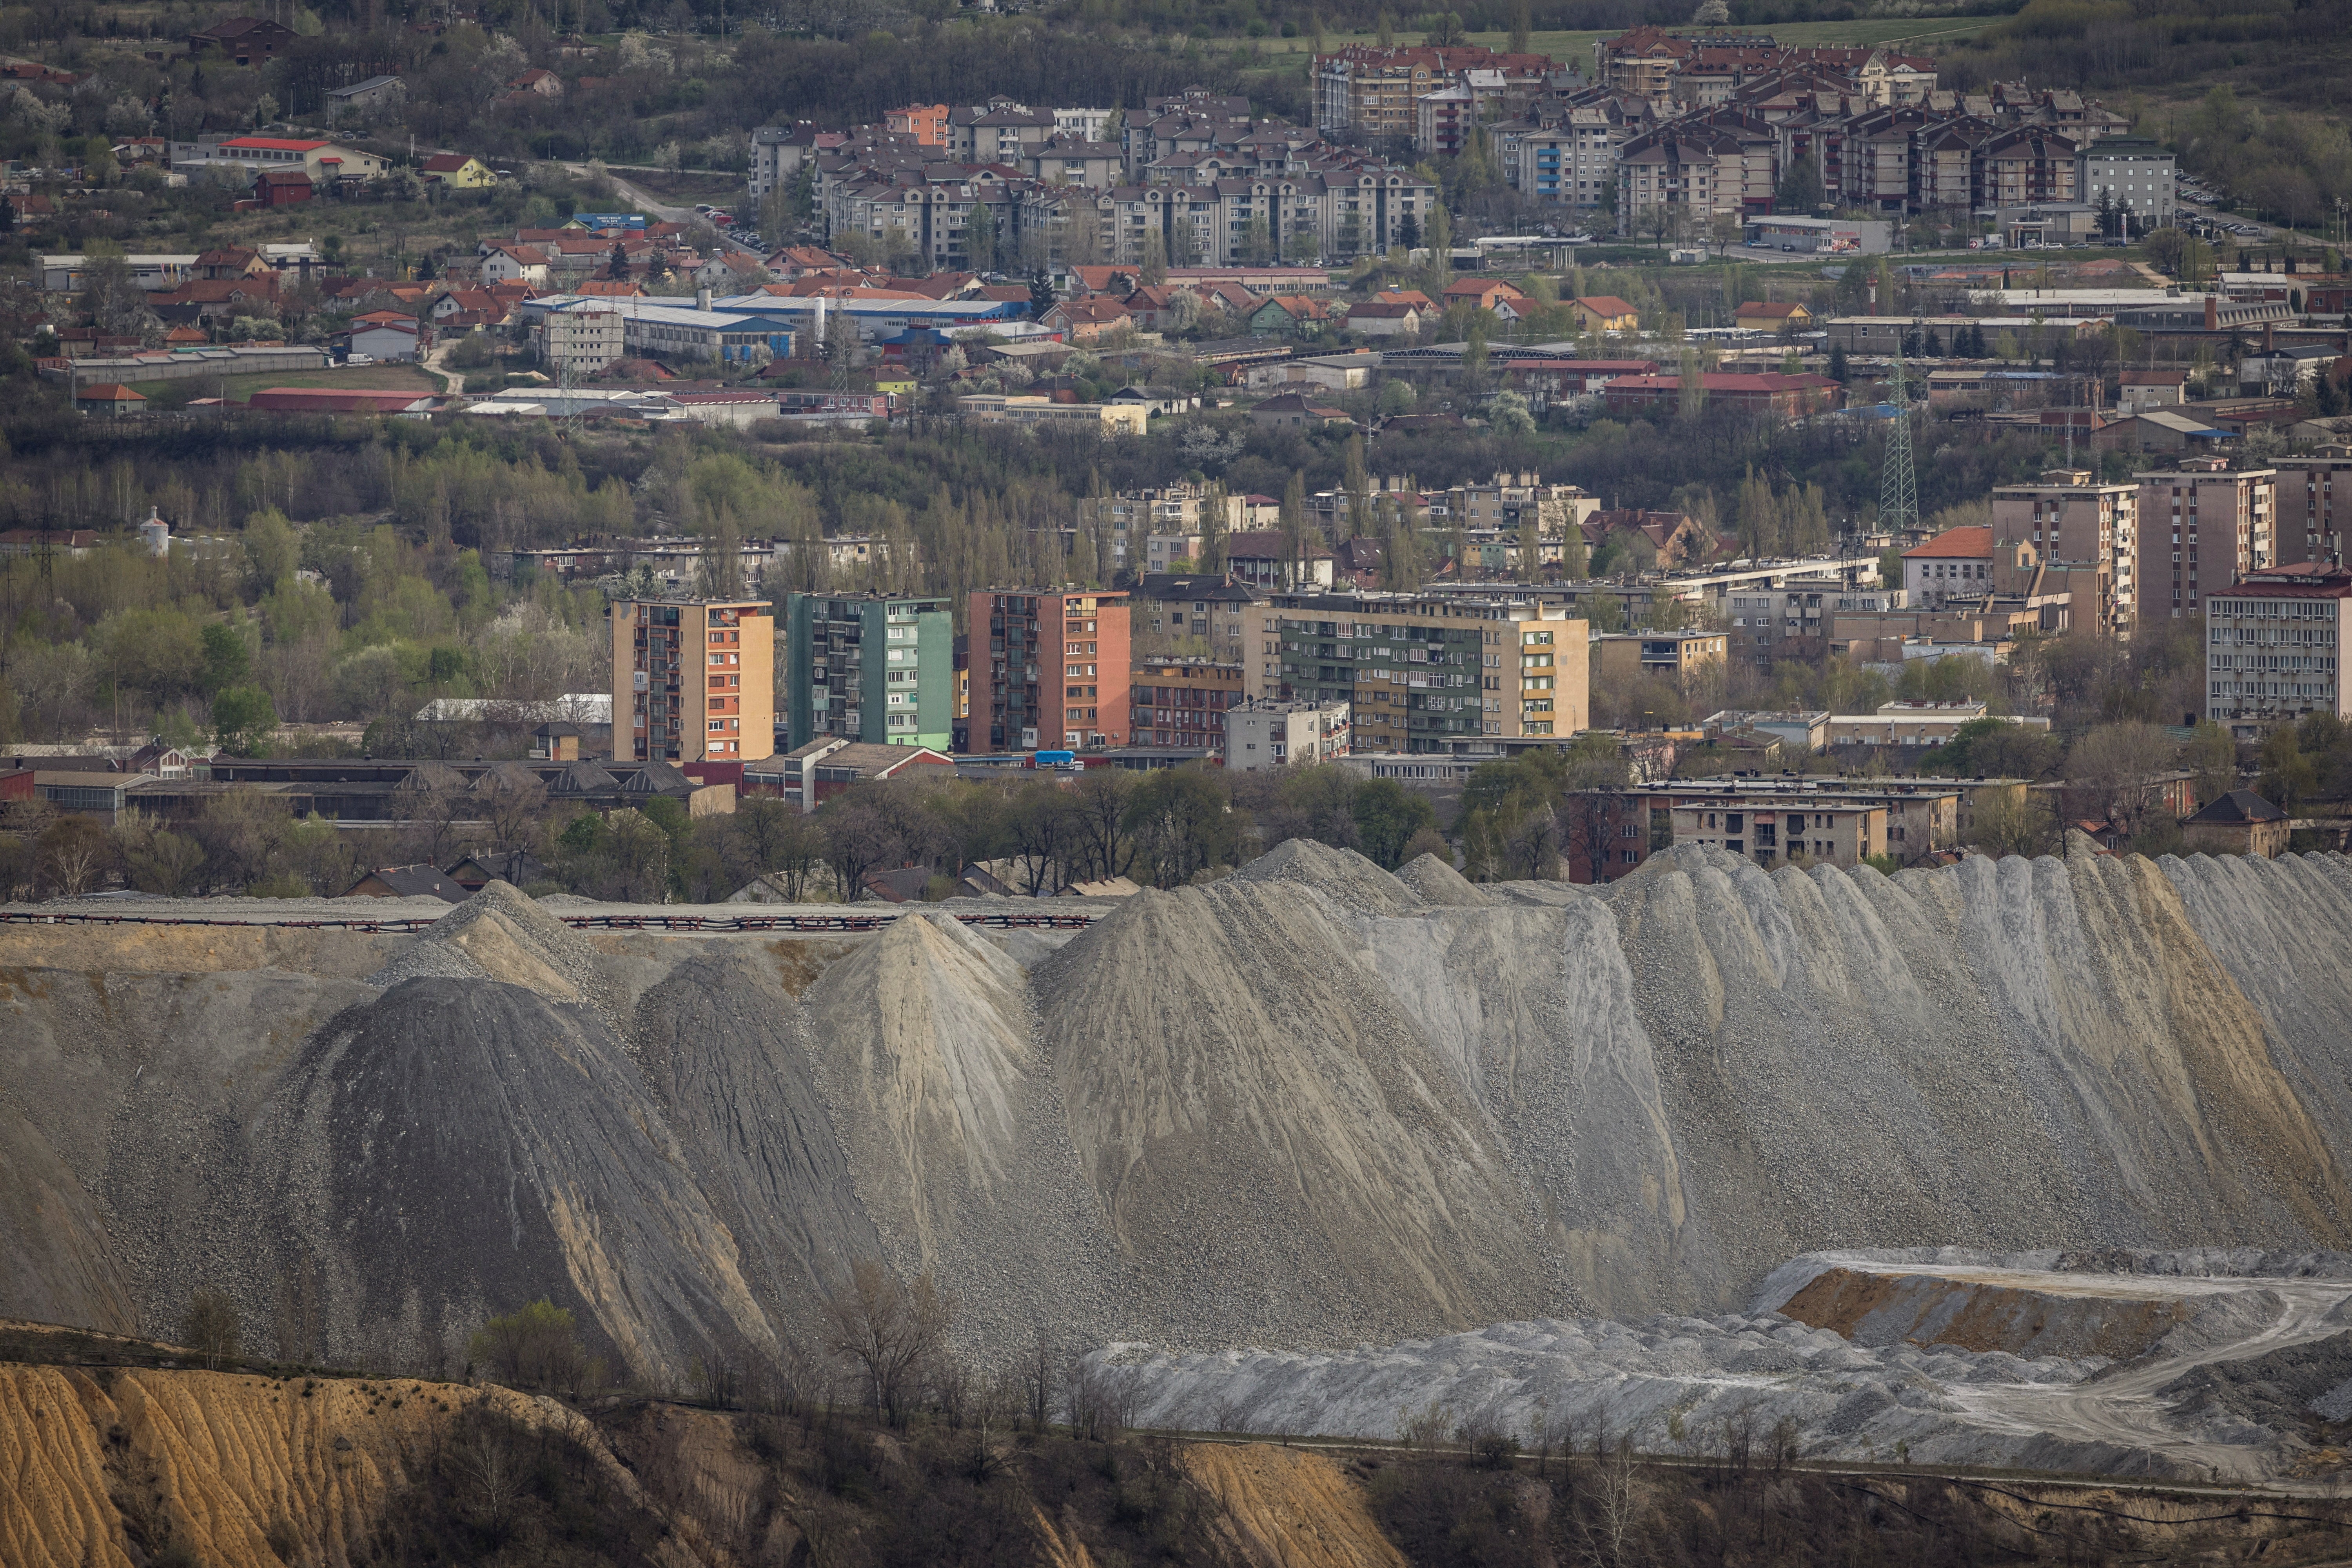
1505,299
1085,321
1955,564
109,399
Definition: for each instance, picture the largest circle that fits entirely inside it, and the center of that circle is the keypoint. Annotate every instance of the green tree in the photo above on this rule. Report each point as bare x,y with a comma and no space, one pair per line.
243,721
1800,190
227,661
537,1347
1388,816
1573,563
1182,822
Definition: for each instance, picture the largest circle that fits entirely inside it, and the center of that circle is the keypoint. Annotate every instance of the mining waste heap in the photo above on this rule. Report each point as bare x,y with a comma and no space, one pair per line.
1311,1105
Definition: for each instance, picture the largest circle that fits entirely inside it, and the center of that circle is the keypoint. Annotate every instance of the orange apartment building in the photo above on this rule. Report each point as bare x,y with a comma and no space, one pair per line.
1049,670
693,681
926,122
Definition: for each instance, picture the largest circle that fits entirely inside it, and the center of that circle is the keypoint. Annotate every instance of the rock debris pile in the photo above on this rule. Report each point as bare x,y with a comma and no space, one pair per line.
1313,1104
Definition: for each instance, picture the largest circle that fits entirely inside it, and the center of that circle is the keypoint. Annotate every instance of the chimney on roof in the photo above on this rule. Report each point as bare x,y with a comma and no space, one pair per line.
2212,314
702,298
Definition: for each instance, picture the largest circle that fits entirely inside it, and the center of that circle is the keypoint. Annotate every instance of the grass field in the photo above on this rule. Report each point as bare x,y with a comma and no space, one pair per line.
1576,48
241,388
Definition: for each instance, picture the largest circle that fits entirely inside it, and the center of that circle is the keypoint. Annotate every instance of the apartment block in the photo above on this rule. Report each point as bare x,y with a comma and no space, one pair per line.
1431,672
1368,92
1826,821
693,681
869,668
2203,527
2277,647
1049,669
1129,518
2072,521
2309,527
580,342
1279,734
2133,175
1181,701
1620,656
1508,501
1177,612
1574,163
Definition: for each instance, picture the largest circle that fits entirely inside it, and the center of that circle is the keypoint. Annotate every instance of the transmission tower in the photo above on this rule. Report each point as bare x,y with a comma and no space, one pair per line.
1898,487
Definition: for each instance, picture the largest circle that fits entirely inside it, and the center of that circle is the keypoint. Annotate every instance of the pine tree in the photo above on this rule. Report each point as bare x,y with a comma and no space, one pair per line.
1294,524
1214,505
1573,563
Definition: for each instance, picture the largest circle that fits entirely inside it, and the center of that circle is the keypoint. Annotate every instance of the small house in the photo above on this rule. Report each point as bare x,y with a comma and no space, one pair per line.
2240,822
109,399
419,881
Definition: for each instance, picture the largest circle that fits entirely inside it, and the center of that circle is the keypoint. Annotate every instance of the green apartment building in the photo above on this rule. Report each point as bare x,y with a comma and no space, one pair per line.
869,667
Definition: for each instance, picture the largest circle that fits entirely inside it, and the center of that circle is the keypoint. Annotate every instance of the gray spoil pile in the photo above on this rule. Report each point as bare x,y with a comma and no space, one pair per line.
1672,1384
1313,1104
2197,1406
2285,1394
1435,881
2000,1054
455,1148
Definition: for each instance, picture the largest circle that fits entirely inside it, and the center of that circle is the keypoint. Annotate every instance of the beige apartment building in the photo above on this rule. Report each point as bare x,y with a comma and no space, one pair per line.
1679,656
693,681
1827,821
1429,673
2072,522
2309,527
1129,518
2203,526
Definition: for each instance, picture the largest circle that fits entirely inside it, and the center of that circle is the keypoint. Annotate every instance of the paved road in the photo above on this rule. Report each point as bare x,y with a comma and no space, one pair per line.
639,199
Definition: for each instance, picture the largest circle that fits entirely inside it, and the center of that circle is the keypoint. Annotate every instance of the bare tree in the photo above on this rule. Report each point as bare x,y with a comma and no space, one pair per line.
297,1317
858,838
1593,827
1098,810
777,841
512,809
2112,770
209,1327
158,860
491,1470
73,852
892,1331
1035,1374
241,831
1607,1525
1099,1401
1044,835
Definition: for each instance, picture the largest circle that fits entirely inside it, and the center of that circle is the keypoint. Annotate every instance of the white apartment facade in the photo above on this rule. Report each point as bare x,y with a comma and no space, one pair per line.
581,342
2277,647
1260,735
